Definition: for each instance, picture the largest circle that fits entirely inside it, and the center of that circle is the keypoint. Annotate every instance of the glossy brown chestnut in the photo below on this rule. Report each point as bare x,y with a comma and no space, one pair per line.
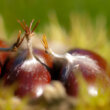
29,68
3,55
79,62
91,65
29,74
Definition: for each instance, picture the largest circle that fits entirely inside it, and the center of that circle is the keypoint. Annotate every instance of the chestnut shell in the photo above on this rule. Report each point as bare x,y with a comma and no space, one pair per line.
29,74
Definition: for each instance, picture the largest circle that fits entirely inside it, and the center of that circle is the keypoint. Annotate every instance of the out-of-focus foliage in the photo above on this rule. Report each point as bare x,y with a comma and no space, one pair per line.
11,10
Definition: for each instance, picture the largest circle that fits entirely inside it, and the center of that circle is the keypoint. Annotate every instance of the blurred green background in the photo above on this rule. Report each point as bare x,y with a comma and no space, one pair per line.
11,10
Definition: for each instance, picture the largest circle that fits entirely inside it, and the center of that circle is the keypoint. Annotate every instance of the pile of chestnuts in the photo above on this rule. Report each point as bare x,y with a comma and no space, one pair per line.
31,69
